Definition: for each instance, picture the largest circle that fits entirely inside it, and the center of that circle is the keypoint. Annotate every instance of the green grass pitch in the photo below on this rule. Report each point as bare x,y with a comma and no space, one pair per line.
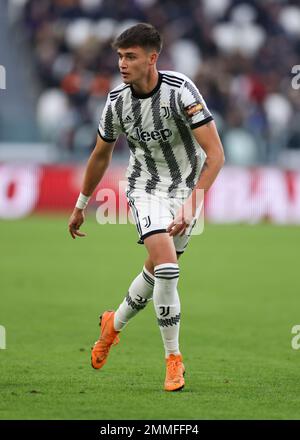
239,291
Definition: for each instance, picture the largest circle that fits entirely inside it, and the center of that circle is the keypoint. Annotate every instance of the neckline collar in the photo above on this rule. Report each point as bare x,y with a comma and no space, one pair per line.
147,95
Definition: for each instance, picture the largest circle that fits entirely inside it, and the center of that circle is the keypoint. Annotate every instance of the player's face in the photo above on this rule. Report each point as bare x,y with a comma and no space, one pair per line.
135,63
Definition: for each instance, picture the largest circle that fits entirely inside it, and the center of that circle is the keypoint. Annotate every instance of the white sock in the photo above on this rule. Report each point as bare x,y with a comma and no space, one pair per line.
167,305
139,294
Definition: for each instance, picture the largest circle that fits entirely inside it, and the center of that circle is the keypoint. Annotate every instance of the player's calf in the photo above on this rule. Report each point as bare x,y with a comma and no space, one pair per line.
167,307
139,294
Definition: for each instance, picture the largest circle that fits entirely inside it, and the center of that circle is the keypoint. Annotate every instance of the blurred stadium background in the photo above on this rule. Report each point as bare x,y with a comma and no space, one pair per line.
59,67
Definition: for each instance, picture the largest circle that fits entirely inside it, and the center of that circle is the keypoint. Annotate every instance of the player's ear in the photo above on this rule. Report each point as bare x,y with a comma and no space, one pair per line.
153,58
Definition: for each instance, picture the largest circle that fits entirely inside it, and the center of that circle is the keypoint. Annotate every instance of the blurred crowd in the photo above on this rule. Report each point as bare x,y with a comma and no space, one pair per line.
239,53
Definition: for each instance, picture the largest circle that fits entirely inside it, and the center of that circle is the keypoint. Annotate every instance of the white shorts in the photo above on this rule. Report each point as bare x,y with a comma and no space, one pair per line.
152,214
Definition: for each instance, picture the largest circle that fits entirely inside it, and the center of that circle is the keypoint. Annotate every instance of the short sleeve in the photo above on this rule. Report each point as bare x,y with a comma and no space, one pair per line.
193,106
108,129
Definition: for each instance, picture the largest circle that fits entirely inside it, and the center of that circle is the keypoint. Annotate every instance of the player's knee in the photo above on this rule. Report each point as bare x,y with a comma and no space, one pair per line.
149,265
164,259
160,261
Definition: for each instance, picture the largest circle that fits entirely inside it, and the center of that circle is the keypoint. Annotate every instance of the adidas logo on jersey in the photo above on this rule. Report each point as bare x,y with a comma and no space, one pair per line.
155,135
128,119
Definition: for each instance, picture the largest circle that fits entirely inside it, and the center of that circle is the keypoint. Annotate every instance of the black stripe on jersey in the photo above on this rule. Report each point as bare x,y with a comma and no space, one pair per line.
137,166
187,140
150,162
119,110
172,81
105,138
114,94
193,91
171,84
173,78
112,99
136,169
165,146
196,95
180,102
108,123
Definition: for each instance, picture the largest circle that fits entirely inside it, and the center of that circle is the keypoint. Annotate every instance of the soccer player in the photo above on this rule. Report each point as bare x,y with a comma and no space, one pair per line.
175,150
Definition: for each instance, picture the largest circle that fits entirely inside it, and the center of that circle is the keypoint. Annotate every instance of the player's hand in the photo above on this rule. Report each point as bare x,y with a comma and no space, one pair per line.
76,220
185,215
182,220
179,224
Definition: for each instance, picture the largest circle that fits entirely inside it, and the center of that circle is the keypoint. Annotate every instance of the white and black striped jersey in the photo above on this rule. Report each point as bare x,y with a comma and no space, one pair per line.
164,155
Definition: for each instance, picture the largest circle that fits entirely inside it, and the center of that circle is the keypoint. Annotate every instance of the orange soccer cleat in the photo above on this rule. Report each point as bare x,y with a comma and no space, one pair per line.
108,336
175,371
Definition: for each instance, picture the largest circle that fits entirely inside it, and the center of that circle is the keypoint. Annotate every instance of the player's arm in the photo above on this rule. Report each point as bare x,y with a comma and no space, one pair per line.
208,138
97,164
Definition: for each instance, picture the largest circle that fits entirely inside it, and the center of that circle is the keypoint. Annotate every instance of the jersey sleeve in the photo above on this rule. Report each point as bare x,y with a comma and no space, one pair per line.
109,128
193,106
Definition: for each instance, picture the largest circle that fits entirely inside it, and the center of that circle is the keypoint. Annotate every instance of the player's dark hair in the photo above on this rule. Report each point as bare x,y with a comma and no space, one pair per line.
143,34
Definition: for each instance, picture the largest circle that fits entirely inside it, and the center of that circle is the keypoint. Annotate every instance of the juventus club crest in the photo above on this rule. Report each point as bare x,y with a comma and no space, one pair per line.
140,300
147,221
166,112
165,310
